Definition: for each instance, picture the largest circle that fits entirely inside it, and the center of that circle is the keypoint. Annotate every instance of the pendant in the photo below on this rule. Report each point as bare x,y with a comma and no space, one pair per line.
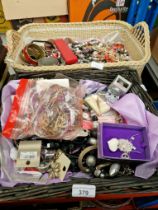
113,144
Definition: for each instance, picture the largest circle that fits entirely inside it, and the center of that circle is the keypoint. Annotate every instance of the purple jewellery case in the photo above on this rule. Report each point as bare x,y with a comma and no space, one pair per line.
135,134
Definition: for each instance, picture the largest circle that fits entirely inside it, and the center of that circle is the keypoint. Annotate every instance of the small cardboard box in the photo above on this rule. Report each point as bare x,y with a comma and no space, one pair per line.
19,9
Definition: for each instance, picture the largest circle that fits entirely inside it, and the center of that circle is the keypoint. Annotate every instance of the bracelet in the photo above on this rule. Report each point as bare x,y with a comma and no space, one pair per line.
32,53
81,156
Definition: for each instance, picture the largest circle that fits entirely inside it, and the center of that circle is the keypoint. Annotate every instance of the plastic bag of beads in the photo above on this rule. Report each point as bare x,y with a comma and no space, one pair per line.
44,109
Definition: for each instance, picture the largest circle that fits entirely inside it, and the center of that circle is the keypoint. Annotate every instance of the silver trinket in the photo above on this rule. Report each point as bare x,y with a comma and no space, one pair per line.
86,116
125,146
92,141
48,61
95,124
97,173
91,161
114,169
102,175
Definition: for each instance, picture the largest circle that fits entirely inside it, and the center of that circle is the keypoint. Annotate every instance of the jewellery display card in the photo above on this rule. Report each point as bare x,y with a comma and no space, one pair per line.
64,163
135,138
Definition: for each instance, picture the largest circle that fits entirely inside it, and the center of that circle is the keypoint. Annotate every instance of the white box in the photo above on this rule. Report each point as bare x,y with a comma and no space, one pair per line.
19,9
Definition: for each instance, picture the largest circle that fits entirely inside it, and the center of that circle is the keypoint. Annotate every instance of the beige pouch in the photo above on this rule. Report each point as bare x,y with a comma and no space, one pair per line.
97,104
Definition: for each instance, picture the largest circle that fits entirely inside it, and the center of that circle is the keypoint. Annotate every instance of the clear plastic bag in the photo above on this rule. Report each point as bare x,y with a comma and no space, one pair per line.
112,37
51,112
59,114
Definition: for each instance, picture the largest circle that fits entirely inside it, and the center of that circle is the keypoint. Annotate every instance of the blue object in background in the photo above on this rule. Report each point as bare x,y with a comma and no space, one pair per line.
143,10
150,204
143,203
132,11
154,14
156,104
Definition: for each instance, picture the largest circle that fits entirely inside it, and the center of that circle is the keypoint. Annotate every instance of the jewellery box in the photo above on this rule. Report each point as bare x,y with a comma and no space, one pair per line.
121,141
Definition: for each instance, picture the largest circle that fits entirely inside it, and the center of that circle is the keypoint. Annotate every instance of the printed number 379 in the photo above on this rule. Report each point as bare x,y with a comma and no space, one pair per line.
83,192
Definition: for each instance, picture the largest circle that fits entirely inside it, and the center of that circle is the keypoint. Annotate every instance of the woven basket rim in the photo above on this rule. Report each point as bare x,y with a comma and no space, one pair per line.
73,66
138,63
76,23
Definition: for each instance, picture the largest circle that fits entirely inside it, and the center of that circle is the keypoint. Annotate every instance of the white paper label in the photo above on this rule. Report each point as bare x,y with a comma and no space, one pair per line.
120,3
83,190
97,65
43,84
28,155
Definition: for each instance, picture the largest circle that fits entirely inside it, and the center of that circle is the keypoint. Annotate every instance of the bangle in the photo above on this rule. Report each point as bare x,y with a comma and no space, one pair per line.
81,156
32,53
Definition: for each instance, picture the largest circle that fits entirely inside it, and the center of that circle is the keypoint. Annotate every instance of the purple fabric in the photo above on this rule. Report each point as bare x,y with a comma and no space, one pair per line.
130,107
92,86
8,174
6,145
133,110
148,169
8,91
81,175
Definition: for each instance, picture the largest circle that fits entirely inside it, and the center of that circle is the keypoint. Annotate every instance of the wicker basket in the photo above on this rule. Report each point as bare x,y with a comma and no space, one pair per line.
136,40
117,185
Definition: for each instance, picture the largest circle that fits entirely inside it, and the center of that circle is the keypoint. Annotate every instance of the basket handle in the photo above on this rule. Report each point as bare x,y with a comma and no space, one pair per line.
141,32
13,38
